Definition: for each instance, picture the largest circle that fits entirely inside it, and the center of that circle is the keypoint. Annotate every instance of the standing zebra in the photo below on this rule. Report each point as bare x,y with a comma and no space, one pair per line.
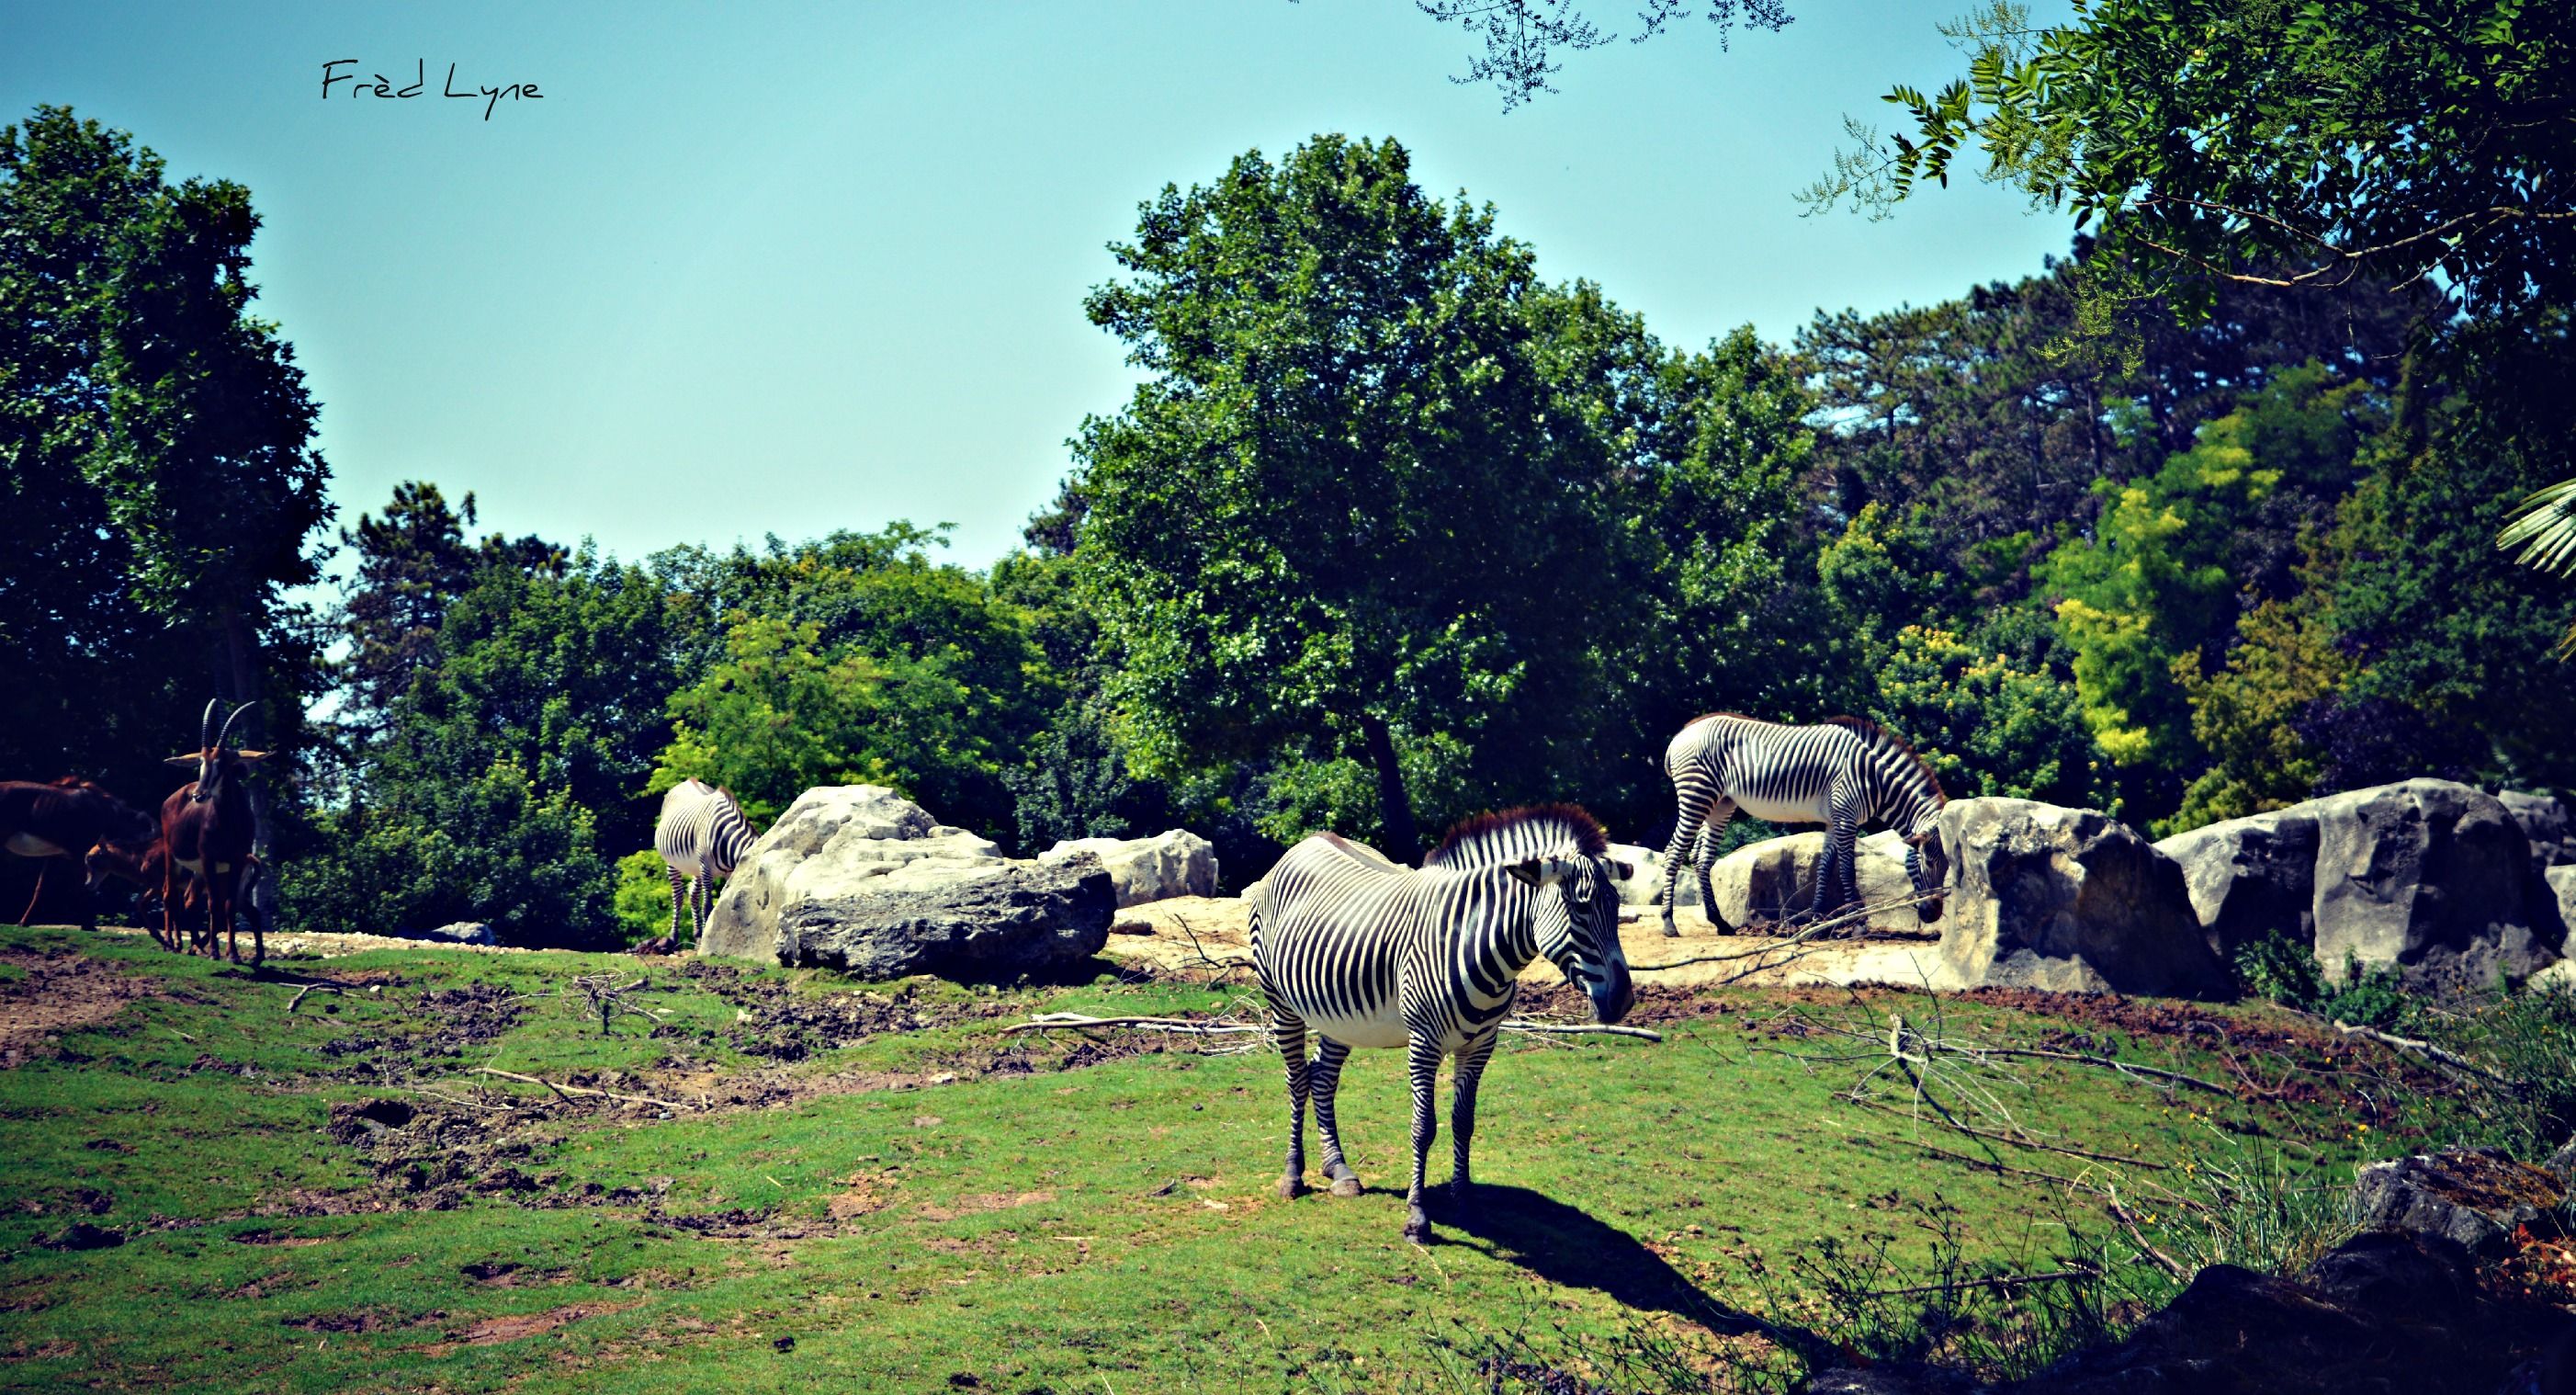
701,836
1844,772
1368,953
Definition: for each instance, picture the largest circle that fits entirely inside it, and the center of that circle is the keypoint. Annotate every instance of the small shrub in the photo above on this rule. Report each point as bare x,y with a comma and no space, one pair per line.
642,904
2284,970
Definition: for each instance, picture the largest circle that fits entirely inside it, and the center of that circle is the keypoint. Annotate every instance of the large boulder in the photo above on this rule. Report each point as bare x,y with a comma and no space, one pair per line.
1645,883
2427,876
1775,878
2560,884
2250,878
2546,825
1169,864
2070,900
2475,1198
857,877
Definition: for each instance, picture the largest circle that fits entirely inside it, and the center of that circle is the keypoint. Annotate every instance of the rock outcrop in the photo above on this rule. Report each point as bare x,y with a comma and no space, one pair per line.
1173,863
2250,878
858,878
2070,900
1776,878
2428,877
2546,825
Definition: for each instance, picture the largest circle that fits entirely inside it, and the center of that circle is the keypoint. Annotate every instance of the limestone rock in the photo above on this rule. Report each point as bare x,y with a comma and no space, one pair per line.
2474,1198
462,932
2070,900
1645,883
857,876
2559,883
2251,877
1775,878
1173,863
2546,825
989,921
2428,876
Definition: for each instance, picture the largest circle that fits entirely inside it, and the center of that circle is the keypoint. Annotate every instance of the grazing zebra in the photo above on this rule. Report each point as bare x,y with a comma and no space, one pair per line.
1368,953
1844,772
702,835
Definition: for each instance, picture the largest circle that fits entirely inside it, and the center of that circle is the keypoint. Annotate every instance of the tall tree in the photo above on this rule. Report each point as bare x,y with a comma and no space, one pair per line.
412,564
156,443
1346,509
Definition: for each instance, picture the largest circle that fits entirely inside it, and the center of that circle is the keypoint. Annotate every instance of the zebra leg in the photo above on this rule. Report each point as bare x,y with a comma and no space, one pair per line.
701,892
1288,1033
1462,1109
679,901
1692,792
1835,884
1422,1063
1323,1085
1704,857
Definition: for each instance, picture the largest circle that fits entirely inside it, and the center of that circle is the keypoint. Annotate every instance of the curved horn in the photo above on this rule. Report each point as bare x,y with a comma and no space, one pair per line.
206,727
226,734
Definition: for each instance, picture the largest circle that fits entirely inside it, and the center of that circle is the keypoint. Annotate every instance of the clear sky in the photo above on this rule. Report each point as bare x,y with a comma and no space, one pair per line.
756,268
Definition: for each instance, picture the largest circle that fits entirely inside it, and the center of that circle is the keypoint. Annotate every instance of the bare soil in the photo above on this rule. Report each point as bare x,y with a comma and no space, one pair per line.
58,993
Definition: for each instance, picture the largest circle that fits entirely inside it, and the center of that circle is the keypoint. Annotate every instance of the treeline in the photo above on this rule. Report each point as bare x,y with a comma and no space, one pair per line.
1395,530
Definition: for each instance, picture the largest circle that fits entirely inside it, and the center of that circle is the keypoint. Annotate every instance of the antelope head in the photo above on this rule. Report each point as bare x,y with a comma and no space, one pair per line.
214,763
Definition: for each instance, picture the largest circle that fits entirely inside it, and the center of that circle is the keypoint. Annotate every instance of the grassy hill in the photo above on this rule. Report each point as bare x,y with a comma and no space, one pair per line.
815,1184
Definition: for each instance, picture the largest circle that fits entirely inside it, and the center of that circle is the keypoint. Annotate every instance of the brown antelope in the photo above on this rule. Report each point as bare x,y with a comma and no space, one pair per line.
147,867
206,829
60,820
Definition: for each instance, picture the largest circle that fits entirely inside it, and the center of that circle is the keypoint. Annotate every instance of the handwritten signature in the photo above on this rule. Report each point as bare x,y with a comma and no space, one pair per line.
384,87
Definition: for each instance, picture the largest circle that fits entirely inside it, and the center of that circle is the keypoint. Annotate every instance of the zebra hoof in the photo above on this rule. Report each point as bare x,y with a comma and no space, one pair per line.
1291,1188
1417,1228
1346,1186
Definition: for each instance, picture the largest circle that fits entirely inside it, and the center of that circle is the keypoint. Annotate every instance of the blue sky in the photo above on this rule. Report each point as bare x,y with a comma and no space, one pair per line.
756,268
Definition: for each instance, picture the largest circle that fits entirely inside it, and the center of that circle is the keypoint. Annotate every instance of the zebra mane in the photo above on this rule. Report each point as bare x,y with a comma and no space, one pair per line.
1483,834
1880,737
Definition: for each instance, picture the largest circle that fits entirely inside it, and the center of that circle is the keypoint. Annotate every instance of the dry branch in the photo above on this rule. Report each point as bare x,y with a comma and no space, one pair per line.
297,1001
1852,917
2415,1047
1582,1029
2020,1141
566,1092
1074,1021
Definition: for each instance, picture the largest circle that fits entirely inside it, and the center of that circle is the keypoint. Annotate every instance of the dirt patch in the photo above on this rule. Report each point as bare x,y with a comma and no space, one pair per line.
869,1192
988,1201
447,1025
504,1274
60,992
494,1331
776,1023
285,1242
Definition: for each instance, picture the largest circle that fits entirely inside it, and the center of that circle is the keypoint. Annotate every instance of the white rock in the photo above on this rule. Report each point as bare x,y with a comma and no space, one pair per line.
1176,862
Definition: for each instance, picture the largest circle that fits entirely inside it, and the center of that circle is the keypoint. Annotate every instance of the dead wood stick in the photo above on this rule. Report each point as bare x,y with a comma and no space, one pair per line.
1998,1281
1581,1029
2145,1246
1074,1021
567,1091
2415,1047
2021,1142
298,999
2081,1058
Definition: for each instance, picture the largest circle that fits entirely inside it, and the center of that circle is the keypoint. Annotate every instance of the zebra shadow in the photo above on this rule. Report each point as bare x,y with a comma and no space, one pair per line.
1565,1245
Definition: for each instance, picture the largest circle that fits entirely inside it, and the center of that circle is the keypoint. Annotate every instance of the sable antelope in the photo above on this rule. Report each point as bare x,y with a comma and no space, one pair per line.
147,868
59,820
206,828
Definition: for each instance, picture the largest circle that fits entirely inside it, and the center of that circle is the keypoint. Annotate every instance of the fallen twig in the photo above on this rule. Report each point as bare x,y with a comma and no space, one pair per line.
2146,1247
1074,1021
2020,1142
2081,1058
566,1092
1574,1029
2415,1047
1989,1165
298,999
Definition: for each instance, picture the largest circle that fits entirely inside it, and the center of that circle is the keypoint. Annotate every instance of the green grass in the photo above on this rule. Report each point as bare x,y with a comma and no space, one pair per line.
1044,1224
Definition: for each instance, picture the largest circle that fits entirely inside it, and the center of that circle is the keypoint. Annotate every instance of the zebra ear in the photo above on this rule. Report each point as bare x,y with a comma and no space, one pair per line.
1531,872
1621,871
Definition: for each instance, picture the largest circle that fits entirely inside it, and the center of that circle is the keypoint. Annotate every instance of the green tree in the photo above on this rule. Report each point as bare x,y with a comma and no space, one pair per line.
1987,725
489,847
2176,556
856,659
2250,141
155,457
1347,511
411,565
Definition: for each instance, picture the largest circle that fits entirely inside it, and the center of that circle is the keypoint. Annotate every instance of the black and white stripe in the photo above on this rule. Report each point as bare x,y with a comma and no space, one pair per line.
701,836
1843,773
1366,953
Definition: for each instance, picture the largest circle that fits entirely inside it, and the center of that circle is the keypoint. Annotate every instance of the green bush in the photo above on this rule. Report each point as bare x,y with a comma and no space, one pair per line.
642,903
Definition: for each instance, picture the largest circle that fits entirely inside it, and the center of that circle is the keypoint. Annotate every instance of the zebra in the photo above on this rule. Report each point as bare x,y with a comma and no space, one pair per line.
1369,953
701,836
1843,772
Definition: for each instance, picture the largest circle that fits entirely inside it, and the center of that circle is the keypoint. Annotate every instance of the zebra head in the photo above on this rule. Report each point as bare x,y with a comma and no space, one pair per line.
1927,865
1576,918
